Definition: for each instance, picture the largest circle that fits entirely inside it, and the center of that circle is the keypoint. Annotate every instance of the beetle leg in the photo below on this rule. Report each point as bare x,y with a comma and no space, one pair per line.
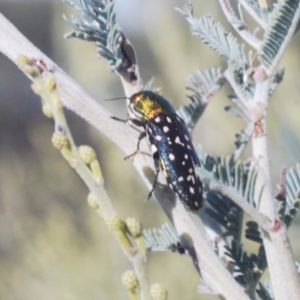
141,136
117,119
132,120
157,168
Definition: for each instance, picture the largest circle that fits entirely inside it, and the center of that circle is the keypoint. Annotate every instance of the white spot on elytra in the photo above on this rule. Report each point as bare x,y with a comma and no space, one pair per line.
153,149
192,191
180,178
186,137
191,178
157,119
171,156
178,141
158,137
169,120
166,129
183,163
186,156
190,170
188,146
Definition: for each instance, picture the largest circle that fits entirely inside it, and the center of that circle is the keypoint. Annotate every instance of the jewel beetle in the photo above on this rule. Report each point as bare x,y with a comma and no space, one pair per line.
170,143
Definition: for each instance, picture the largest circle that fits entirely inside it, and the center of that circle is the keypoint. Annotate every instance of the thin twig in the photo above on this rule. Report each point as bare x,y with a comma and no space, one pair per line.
239,151
237,89
92,177
242,203
253,14
240,27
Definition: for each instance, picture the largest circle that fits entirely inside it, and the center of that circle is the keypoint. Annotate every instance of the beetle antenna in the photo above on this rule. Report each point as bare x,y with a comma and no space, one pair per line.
118,98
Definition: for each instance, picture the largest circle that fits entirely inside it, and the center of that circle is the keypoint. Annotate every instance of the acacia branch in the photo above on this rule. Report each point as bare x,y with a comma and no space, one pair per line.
13,44
278,249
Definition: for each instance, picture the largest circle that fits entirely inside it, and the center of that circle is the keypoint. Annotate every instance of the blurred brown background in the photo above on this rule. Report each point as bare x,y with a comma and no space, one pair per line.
52,245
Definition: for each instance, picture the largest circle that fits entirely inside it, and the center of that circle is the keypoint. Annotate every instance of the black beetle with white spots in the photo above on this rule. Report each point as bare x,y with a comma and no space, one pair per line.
170,143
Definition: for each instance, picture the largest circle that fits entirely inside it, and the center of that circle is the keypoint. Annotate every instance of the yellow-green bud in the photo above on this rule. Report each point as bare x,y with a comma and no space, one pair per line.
114,222
134,226
23,60
92,201
31,70
59,140
50,83
28,66
129,280
87,154
158,292
47,111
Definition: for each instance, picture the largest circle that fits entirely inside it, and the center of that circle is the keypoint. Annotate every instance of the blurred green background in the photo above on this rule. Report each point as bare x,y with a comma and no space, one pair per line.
52,245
